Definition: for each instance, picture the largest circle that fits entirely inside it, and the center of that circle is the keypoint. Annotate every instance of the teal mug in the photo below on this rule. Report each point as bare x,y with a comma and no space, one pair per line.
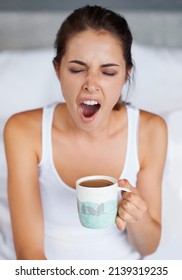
97,200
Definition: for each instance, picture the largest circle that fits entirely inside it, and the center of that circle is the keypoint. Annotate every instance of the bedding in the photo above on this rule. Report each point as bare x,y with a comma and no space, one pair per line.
28,81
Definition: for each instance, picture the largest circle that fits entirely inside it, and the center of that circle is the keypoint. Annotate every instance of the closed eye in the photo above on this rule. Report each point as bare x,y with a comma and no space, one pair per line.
74,71
108,70
109,74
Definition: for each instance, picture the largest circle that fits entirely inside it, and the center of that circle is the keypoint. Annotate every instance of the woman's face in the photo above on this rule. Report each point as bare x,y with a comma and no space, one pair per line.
92,73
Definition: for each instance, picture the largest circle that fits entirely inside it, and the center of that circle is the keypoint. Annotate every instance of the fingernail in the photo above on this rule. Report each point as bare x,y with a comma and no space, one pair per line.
123,181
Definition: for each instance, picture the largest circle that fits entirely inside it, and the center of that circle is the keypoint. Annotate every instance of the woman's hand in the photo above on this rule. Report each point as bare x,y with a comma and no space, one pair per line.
131,207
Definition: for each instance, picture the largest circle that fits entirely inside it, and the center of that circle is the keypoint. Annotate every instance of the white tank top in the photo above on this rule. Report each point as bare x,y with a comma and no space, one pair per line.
65,237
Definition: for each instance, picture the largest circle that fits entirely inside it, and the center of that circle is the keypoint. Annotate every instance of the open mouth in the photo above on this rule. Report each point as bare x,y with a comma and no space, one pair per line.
89,108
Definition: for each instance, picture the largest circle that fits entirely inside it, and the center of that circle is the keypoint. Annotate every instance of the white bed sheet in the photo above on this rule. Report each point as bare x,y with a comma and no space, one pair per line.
27,81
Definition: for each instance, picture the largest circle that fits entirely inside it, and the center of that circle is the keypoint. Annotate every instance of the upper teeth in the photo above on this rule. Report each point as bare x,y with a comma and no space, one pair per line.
90,102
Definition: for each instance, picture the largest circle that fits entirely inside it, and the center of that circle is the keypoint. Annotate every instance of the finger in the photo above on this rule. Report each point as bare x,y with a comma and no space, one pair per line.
129,212
125,184
120,223
134,199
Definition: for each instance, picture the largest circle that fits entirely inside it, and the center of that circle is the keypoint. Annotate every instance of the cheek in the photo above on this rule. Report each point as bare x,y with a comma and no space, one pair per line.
114,94
115,90
72,82
68,88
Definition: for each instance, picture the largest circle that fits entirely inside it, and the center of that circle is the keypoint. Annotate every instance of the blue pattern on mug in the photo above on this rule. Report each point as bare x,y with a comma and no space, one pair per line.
97,215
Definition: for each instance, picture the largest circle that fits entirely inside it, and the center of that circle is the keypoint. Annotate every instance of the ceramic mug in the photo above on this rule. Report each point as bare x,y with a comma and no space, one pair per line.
97,200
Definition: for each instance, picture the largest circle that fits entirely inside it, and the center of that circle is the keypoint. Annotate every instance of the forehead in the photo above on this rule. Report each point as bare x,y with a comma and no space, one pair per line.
101,42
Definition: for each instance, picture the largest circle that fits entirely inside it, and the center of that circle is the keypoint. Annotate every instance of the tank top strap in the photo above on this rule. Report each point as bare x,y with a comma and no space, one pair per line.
132,166
133,127
47,119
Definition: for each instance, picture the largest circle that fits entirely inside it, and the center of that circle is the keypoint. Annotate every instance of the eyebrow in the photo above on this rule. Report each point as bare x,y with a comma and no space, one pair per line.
109,65
78,62
102,66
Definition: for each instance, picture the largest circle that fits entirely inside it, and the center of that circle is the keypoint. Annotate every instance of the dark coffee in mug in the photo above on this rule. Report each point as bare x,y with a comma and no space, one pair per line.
97,200
96,183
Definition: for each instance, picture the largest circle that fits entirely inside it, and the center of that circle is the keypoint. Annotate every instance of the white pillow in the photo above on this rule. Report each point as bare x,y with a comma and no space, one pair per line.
27,80
171,242
158,79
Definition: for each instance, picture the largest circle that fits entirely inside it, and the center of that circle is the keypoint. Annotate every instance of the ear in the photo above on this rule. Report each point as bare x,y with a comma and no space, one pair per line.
130,70
128,74
56,68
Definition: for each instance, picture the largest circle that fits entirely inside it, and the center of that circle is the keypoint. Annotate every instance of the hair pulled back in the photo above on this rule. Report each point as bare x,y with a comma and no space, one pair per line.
96,18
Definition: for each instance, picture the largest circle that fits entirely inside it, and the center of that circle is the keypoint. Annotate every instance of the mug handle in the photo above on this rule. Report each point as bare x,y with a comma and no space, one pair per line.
123,189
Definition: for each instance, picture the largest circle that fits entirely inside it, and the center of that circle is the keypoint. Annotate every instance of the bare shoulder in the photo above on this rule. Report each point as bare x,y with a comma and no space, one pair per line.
152,136
152,124
23,130
24,121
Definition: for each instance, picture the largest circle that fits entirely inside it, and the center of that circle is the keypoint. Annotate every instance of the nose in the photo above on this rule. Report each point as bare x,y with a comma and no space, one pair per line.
91,84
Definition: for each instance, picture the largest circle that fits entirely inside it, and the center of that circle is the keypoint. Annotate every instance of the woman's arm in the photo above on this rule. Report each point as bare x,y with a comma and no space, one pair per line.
140,210
21,140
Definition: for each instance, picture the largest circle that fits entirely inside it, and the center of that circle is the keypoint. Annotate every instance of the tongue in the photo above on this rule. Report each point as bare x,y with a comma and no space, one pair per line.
89,110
